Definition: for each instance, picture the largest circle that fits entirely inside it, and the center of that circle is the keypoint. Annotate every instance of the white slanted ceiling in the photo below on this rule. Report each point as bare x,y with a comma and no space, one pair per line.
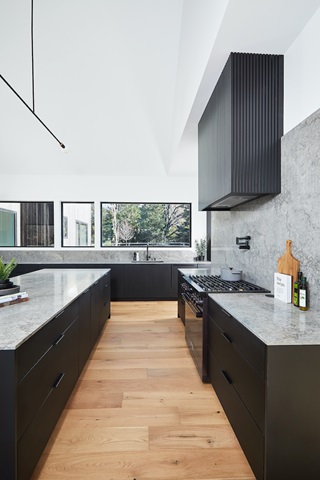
124,82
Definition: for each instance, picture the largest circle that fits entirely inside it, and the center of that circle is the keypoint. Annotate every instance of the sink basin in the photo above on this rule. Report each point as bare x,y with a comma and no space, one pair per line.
146,261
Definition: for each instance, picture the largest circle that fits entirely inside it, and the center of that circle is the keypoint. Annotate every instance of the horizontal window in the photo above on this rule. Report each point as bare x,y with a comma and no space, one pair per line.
26,224
135,224
77,224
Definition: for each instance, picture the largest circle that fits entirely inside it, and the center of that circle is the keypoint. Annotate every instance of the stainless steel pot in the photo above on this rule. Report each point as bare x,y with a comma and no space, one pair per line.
230,274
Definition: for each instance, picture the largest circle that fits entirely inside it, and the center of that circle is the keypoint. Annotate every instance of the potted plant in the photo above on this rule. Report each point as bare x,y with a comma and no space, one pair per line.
200,247
5,272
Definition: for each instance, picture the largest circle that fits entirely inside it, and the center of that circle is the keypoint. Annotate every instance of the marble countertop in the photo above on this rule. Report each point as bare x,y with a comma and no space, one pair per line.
123,262
49,290
273,321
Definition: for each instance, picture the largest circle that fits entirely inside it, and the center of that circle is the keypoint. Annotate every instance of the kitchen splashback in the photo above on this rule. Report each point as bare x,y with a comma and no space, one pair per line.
293,214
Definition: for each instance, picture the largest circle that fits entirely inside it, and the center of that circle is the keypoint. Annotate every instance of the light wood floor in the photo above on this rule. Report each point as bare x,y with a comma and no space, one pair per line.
140,411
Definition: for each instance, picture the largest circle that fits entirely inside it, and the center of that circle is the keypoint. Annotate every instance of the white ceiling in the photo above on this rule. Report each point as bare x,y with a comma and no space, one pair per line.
124,82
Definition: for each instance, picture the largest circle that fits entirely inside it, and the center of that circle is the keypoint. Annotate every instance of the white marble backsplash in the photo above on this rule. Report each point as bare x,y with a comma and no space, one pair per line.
95,256
293,214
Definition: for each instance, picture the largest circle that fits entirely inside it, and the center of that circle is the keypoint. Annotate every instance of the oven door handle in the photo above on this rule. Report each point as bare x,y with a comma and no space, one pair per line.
194,310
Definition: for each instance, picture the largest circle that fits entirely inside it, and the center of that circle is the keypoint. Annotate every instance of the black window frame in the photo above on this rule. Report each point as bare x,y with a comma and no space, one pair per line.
49,225
62,224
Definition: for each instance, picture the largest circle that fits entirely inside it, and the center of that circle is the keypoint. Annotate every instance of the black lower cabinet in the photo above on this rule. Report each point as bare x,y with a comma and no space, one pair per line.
95,313
100,306
32,442
117,280
84,327
249,436
147,282
129,281
38,377
270,394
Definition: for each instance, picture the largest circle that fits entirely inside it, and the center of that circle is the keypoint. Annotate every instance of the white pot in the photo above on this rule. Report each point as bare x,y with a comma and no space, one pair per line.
230,274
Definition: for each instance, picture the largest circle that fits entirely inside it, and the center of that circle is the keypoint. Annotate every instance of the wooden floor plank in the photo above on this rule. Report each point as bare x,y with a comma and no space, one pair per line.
187,464
140,411
192,436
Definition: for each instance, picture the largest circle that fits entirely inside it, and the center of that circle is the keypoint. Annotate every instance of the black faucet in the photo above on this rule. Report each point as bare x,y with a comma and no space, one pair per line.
147,254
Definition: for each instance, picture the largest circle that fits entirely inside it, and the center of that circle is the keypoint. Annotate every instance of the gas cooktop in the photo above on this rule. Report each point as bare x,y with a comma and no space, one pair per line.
214,284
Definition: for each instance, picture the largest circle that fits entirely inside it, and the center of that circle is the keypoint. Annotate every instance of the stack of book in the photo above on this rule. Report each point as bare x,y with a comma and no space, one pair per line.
14,298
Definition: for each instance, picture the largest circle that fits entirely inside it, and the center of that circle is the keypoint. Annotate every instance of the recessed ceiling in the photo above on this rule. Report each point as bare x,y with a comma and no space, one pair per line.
124,83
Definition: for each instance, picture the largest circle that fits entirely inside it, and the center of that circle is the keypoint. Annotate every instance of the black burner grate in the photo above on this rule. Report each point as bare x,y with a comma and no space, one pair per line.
214,284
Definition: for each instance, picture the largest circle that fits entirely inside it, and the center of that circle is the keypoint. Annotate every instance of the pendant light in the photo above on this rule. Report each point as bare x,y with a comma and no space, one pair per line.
32,110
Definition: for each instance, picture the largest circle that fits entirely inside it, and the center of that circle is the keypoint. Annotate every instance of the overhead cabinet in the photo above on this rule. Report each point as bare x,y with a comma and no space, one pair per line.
239,134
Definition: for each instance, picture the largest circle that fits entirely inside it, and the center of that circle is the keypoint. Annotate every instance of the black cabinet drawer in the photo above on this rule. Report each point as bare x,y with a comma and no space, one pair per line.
32,443
35,387
248,383
246,342
250,437
29,353
105,294
84,323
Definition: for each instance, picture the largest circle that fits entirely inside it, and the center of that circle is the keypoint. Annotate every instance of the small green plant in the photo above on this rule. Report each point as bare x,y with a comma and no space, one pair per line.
6,269
200,247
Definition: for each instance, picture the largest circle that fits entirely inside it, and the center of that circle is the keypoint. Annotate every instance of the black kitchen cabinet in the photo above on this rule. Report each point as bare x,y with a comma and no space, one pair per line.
117,277
270,394
36,381
104,296
240,133
117,280
52,382
129,281
37,378
100,306
84,325
174,276
147,282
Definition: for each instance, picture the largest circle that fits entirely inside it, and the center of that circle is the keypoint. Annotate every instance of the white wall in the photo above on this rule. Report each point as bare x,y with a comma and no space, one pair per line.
302,74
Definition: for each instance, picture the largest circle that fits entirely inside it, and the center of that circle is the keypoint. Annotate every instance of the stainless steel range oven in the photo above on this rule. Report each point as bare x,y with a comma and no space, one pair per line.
195,289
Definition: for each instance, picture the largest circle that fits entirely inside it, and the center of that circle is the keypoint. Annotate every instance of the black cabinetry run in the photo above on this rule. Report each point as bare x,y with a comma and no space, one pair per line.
270,394
37,378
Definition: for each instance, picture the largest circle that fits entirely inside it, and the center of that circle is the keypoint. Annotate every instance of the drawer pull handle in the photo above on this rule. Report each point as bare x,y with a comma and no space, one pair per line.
59,380
60,313
225,336
226,376
226,313
58,340
86,291
107,285
105,303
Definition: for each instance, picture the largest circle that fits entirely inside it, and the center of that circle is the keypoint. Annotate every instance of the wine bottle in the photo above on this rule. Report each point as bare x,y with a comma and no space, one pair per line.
303,295
296,288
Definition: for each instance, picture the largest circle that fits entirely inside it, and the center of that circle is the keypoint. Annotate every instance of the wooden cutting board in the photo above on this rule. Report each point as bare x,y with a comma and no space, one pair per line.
288,264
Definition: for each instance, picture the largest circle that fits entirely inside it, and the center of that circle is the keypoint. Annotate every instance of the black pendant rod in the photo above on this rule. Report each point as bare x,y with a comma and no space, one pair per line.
39,119
32,59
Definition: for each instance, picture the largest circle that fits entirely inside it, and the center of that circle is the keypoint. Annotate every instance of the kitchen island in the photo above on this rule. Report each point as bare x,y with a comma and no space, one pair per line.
264,363
44,344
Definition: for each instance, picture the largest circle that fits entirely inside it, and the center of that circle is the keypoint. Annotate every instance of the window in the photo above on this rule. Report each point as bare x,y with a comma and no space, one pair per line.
135,224
78,224
26,224
82,233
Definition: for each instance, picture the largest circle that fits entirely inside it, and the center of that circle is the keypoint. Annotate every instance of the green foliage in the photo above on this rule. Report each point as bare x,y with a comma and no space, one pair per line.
200,247
6,269
138,224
